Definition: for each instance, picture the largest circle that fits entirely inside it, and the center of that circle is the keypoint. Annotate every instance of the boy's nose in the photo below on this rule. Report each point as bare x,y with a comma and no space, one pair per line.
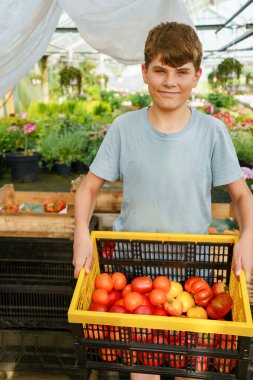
170,81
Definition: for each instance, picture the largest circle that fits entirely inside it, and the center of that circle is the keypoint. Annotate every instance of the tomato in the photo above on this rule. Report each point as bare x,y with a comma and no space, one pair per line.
129,357
96,332
175,289
103,281
11,208
120,302
220,305
101,297
54,205
200,289
142,284
159,311
219,287
97,307
146,301
157,297
197,312
114,296
107,249
206,339
133,300
200,363
212,230
162,282
225,365
141,335
118,309
173,307
127,289
187,300
176,361
119,280
151,359
143,309
108,355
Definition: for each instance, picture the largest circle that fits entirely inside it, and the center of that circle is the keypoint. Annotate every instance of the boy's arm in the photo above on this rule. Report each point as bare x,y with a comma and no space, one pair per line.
85,201
243,207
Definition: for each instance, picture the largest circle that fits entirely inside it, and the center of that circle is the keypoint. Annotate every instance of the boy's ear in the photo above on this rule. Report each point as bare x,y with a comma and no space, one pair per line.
144,70
197,76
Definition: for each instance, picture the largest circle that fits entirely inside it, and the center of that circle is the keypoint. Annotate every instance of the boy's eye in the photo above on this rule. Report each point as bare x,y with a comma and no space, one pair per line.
183,72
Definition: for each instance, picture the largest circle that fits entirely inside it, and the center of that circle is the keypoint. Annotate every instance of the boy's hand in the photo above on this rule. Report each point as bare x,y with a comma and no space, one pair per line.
243,256
83,253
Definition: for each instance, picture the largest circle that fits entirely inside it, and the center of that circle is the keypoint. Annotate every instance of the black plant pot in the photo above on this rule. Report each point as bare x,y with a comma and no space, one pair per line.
23,168
79,167
63,169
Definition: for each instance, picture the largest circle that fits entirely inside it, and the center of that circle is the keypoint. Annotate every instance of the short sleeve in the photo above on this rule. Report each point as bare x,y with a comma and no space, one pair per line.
225,165
106,163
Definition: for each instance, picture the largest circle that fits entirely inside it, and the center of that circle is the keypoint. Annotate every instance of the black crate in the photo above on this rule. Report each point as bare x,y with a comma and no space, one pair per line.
159,351
38,351
34,306
38,260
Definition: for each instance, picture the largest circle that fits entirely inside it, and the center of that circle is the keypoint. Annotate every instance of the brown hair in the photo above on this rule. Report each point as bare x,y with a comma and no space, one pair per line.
176,44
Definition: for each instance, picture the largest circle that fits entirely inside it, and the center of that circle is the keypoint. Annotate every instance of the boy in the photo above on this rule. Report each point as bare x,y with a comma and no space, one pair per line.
168,156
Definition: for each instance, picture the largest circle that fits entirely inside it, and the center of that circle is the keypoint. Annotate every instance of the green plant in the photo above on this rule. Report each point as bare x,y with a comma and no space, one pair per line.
228,73
221,100
69,77
243,143
140,100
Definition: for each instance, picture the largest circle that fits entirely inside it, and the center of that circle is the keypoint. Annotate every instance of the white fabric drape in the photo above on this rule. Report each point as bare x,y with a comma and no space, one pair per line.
117,28
26,30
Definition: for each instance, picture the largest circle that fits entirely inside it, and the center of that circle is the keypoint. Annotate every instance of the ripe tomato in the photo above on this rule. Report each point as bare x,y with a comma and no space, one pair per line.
200,289
220,305
175,289
97,307
142,284
159,311
11,208
187,300
219,287
101,297
173,307
96,332
108,355
143,309
207,339
129,357
132,301
107,249
200,363
162,282
176,361
118,309
120,302
157,297
225,365
197,312
119,280
127,289
151,359
54,205
146,301
103,281
141,335
114,295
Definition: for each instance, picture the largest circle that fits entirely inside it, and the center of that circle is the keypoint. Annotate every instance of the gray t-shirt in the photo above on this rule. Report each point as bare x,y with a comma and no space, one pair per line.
167,177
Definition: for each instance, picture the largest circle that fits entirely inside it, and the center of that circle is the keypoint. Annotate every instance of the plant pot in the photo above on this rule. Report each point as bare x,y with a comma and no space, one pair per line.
23,168
79,167
63,169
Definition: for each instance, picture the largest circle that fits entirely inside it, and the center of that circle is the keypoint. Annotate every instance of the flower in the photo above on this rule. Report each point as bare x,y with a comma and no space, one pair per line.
28,128
22,135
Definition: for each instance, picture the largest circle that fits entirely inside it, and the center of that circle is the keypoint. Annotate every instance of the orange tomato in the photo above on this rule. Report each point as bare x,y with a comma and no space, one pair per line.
162,282
157,297
108,355
133,300
101,297
197,312
96,332
187,300
175,289
104,281
127,289
119,280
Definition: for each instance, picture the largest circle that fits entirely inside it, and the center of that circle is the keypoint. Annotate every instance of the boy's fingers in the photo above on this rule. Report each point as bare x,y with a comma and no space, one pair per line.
76,271
237,264
88,263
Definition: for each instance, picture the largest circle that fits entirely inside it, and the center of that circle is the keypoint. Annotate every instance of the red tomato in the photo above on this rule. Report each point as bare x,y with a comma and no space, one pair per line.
141,335
200,289
151,359
146,301
200,363
162,282
96,332
118,309
219,287
132,301
119,280
159,311
97,307
157,297
142,284
127,289
173,307
143,309
225,365
108,354
114,295
120,302
128,357
54,205
101,297
206,339
220,305
103,281
107,249
176,361
11,208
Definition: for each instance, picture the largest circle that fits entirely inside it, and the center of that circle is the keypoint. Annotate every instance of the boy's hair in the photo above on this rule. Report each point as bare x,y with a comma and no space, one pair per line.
175,43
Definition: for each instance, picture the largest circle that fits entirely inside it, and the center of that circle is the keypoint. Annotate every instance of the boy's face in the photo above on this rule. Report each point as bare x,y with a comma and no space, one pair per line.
170,87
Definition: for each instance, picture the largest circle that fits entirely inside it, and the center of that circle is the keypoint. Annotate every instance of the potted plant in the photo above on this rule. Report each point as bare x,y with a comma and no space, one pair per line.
71,77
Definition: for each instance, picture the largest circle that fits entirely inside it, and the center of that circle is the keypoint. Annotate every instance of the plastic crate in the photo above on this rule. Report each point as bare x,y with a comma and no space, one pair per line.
38,260
163,345
38,351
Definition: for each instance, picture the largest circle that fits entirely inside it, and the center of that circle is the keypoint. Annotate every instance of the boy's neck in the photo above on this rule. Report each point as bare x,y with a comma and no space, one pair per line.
169,121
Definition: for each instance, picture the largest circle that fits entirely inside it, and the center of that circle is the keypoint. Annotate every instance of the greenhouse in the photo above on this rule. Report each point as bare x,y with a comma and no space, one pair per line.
126,189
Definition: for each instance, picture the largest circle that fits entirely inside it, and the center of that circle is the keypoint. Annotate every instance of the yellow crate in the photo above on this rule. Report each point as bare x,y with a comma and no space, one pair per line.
241,323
